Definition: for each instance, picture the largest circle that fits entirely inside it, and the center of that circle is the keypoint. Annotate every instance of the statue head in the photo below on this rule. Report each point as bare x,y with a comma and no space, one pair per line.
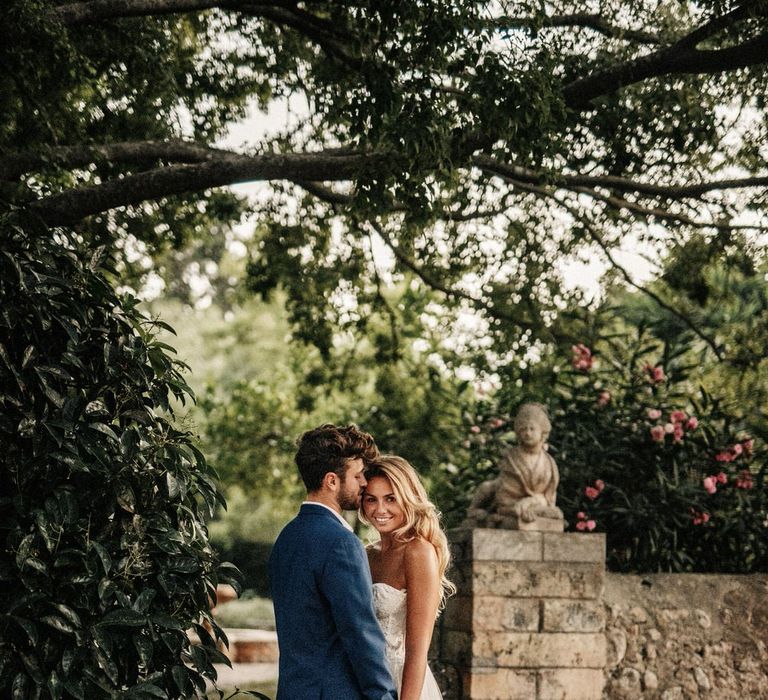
532,424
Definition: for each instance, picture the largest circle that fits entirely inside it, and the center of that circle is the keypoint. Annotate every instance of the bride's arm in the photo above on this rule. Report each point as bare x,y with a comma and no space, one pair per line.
422,581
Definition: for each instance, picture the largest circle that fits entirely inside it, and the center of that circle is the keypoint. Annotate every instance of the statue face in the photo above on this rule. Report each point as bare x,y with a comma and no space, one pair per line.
529,433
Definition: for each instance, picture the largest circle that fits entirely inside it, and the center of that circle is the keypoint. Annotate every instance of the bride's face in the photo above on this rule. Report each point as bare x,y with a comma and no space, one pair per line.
380,505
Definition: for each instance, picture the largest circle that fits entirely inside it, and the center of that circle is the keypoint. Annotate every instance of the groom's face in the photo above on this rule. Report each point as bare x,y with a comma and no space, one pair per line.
352,485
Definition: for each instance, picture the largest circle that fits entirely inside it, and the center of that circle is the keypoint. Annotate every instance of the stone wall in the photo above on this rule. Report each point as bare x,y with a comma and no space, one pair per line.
686,636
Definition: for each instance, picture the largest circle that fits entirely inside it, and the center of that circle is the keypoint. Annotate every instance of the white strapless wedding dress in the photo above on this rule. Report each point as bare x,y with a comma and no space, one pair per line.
390,607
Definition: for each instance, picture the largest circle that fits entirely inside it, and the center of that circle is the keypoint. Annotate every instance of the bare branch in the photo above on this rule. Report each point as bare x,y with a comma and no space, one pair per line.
597,238
436,284
594,22
662,214
714,26
611,182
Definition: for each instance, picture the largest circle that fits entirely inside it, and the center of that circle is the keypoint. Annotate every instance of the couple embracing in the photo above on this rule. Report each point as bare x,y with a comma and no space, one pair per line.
356,623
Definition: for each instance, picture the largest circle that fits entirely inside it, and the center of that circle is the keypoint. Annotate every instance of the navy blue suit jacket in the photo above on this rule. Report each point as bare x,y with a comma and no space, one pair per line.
331,645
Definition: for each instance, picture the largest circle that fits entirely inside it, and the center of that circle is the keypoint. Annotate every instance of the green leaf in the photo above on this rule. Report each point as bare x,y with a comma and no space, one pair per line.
124,617
58,623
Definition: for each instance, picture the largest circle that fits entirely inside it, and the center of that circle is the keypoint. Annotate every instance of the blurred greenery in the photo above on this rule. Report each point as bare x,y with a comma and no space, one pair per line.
246,612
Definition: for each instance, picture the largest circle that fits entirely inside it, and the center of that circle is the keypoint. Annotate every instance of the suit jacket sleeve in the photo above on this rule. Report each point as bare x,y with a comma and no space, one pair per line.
346,583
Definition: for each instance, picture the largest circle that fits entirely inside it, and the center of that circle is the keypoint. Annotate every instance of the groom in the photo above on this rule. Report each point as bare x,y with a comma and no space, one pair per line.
331,646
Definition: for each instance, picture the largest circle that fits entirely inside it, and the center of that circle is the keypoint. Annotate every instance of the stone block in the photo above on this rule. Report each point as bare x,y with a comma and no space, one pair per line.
537,580
574,547
499,684
539,650
506,545
501,614
573,616
571,684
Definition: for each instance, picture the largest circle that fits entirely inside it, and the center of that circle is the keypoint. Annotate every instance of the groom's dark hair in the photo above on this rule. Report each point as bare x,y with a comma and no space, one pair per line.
328,448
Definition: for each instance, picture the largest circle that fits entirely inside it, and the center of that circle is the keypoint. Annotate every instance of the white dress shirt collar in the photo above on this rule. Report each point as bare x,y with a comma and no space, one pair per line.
336,513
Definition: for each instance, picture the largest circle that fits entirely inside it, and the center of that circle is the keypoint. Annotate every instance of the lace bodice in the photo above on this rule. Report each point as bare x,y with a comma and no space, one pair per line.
390,606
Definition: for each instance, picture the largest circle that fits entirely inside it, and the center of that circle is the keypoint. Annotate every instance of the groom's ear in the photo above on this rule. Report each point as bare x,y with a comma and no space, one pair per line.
331,481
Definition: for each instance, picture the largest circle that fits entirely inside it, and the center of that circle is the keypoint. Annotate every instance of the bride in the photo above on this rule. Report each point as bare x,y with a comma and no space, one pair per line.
408,567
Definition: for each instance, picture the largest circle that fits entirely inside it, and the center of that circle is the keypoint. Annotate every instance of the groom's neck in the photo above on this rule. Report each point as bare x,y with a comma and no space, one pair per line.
326,499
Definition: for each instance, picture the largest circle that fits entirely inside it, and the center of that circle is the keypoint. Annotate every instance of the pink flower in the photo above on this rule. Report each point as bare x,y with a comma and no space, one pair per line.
654,413
496,422
582,357
599,484
737,449
721,478
604,398
724,456
678,432
710,484
475,429
745,480
669,428
586,525
591,493
655,375
699,518
657,433
692,423
748,446
677,416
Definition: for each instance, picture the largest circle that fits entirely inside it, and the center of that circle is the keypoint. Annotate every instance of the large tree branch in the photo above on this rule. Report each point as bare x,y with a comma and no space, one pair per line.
201,168
73,205
13,165
680,58
318,30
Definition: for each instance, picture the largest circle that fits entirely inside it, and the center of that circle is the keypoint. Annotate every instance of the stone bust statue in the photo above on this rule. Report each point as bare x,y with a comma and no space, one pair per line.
523,496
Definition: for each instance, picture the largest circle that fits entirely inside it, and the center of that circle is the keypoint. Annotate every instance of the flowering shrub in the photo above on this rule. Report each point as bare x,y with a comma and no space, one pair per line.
674,483
670,479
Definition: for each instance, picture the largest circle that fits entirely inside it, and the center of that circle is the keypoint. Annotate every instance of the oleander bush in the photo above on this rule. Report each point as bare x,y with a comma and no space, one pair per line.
105,561
660,466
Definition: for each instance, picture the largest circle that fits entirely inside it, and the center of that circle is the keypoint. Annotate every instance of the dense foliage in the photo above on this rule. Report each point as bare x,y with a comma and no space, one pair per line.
105,559
466,145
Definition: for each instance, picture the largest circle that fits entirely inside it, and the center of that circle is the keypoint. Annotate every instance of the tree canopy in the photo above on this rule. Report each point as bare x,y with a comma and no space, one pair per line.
474,143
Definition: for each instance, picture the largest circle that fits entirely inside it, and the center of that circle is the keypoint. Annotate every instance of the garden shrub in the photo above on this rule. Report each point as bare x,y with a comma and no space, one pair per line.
104,559
661,467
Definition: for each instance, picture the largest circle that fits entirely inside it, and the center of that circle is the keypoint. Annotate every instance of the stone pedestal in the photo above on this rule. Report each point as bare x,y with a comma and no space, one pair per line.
527,622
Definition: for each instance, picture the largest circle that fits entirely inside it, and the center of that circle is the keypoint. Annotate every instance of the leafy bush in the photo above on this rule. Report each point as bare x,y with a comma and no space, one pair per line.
665,471
102,499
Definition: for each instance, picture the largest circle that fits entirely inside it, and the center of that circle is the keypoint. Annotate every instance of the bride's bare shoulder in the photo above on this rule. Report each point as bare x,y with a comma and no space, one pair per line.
418,550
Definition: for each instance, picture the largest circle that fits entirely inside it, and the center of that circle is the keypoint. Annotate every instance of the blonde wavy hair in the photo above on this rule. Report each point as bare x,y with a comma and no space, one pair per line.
421,517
